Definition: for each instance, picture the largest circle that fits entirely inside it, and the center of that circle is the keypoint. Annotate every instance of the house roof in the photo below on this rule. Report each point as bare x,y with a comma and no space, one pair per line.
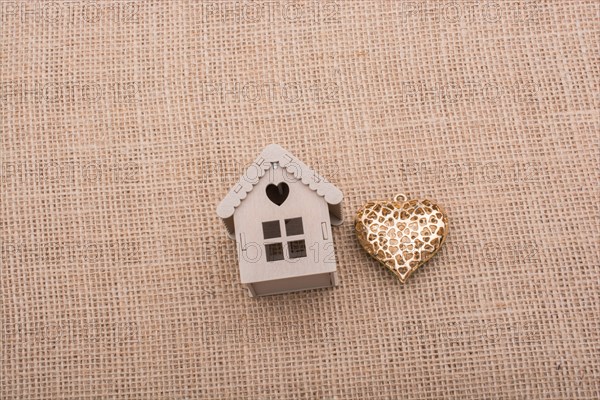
271,155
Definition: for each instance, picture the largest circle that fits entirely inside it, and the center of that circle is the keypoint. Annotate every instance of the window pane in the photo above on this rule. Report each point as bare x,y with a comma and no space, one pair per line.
274,251
271,229
297,249
293,226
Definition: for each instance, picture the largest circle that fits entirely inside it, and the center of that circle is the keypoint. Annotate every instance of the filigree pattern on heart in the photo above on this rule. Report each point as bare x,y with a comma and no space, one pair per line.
401,234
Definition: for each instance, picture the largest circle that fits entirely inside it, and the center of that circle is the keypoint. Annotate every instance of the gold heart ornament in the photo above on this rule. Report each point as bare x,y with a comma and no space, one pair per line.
401,234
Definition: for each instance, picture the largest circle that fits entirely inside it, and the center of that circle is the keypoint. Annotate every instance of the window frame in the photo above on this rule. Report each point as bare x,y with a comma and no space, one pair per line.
284,239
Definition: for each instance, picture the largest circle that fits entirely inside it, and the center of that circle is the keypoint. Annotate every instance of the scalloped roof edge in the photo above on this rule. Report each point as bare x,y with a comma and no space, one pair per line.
271,154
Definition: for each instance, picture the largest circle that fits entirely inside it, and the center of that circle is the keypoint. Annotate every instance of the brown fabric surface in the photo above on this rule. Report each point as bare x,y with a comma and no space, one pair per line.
123,124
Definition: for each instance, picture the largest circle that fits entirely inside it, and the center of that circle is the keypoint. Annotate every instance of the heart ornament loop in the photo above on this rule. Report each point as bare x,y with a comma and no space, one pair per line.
401,234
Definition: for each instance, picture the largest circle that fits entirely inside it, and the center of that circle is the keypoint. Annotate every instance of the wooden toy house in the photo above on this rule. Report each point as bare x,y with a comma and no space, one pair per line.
280,214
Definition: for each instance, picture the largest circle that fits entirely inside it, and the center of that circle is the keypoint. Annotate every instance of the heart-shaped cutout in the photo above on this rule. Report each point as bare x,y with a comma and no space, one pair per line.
278,193
401,234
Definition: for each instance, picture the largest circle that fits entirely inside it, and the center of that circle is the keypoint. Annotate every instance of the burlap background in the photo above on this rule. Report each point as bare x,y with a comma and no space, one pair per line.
124,123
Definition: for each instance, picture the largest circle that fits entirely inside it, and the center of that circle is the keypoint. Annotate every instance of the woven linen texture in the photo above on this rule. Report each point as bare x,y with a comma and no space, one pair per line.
124,123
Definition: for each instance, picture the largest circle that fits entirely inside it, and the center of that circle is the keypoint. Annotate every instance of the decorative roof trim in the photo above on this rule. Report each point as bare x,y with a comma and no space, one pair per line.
272,154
